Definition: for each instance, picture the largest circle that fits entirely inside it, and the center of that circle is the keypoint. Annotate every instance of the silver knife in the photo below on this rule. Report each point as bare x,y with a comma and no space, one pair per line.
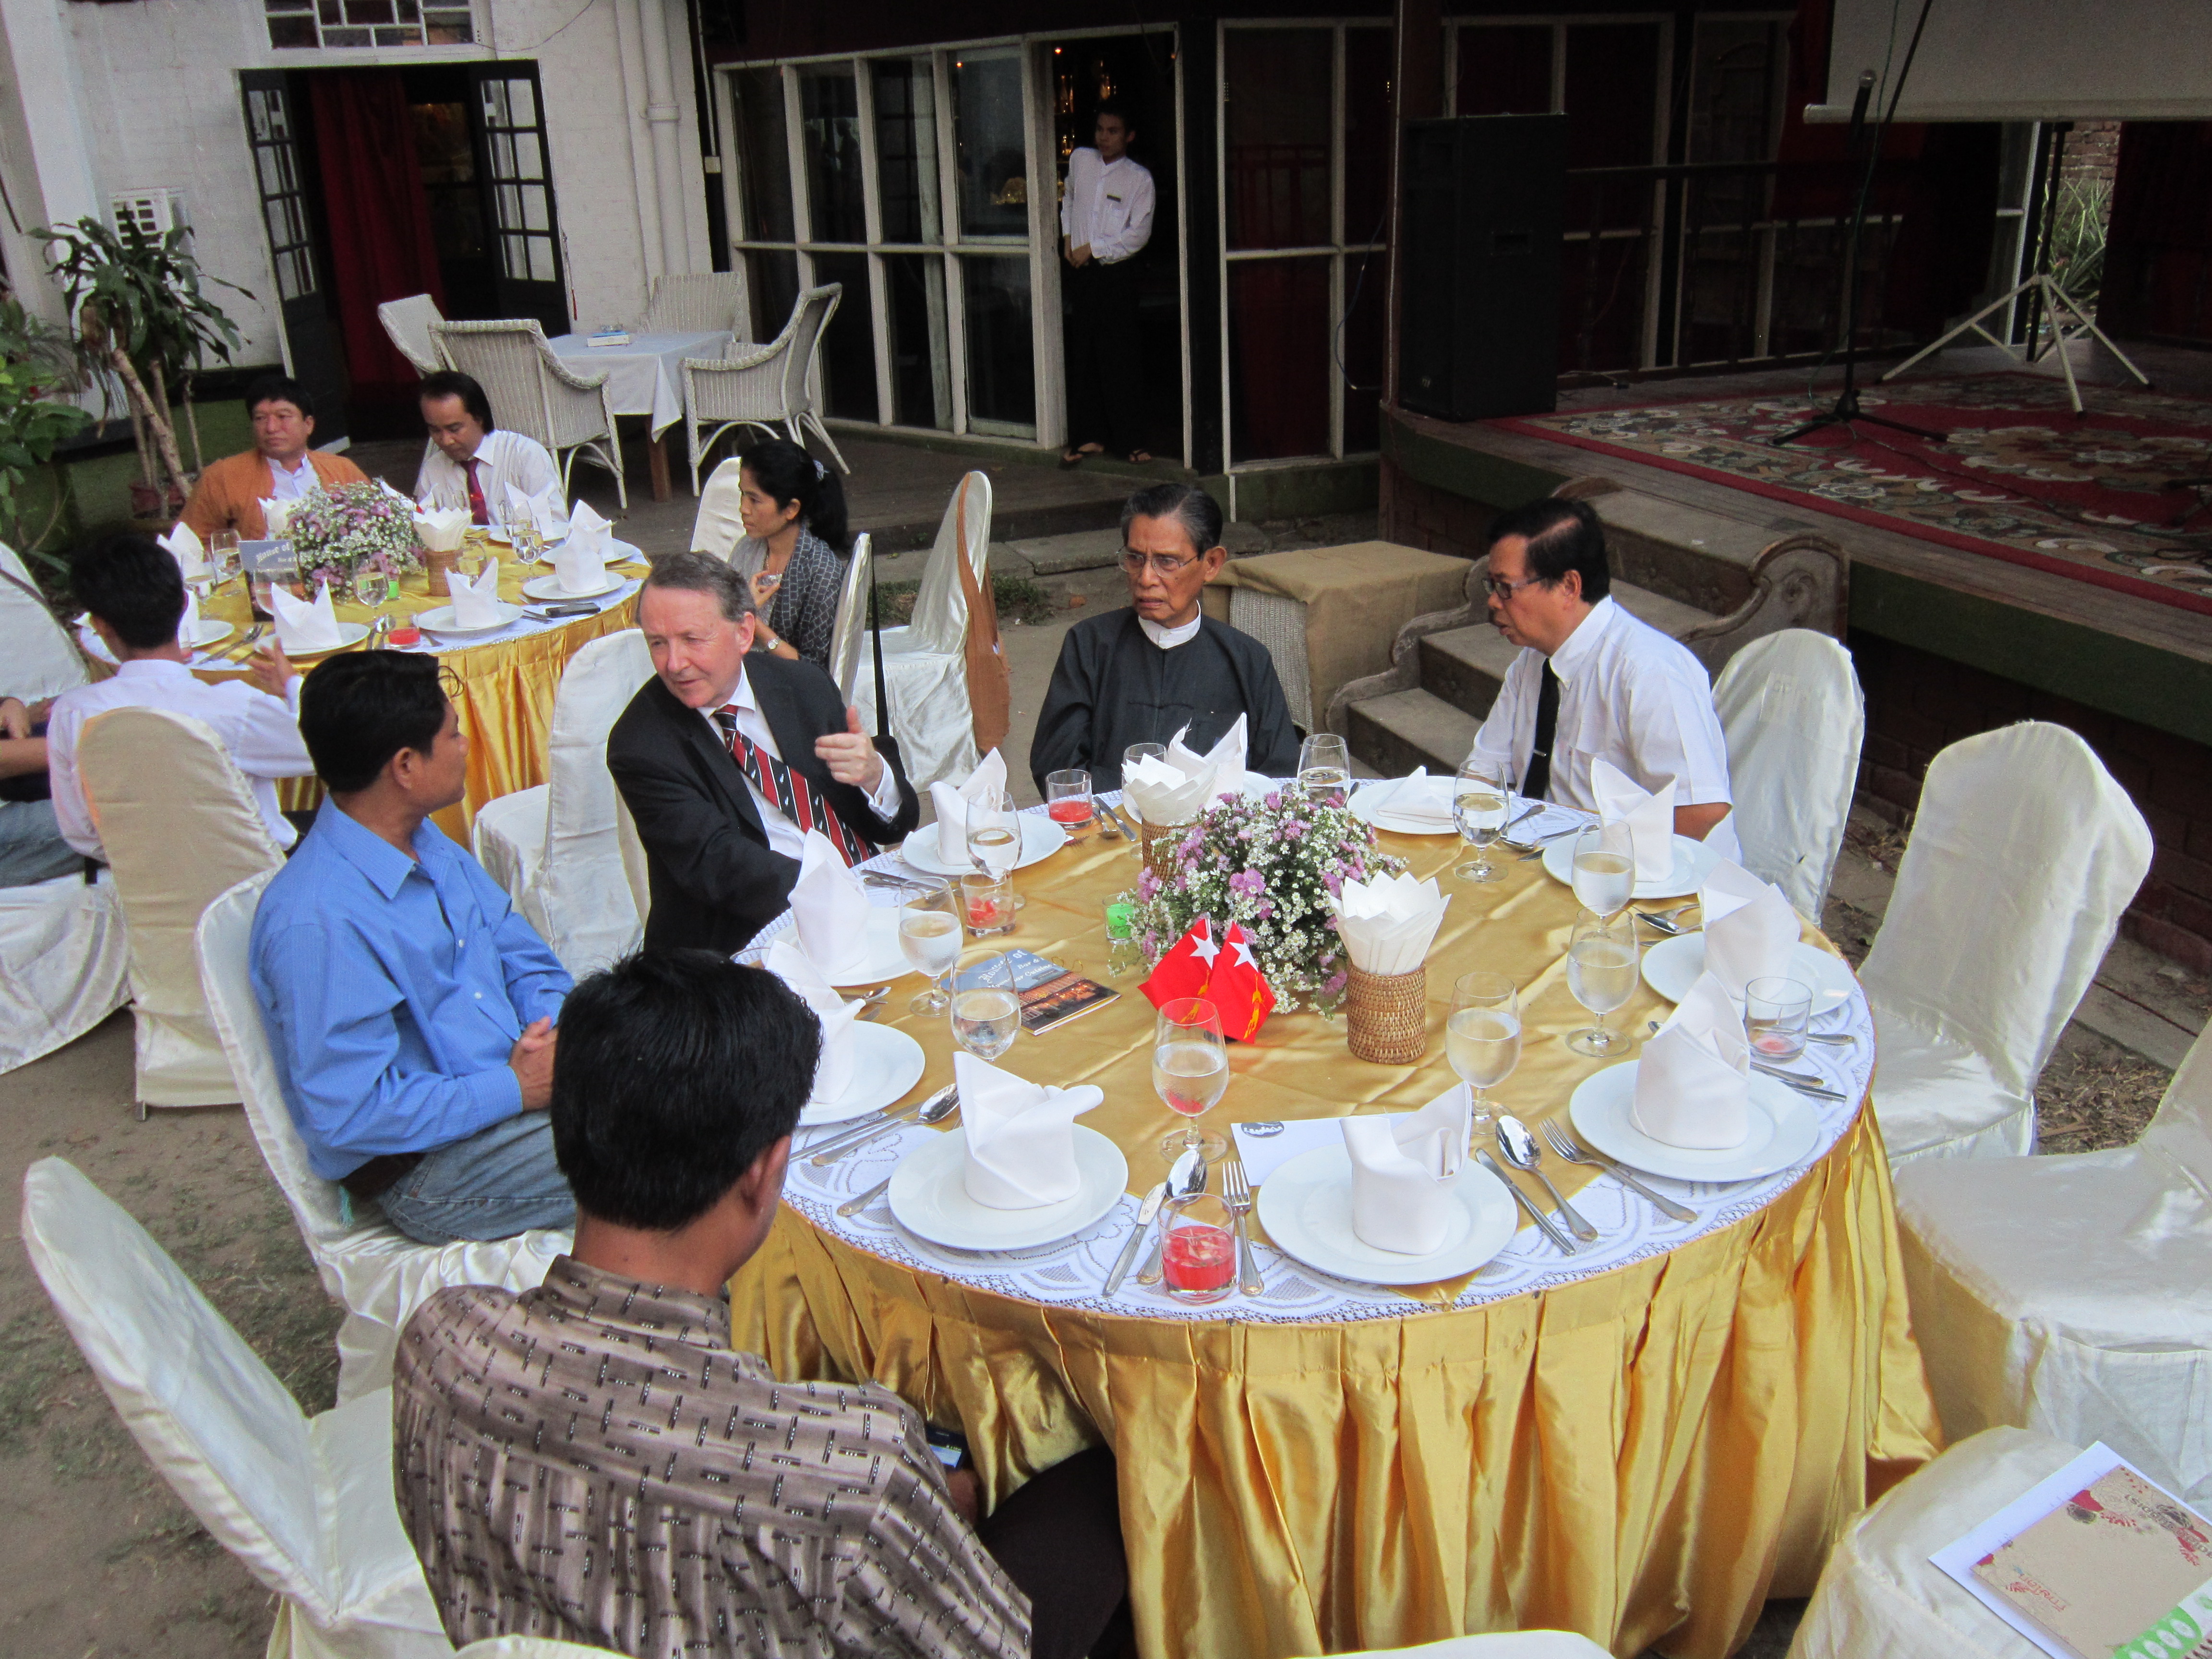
1146,1212
1566,1245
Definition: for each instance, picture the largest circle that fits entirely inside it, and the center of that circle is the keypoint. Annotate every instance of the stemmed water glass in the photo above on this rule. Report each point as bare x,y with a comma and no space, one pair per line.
1602,974
1325,768
1605,868
1482,1040
222,555
986,1011
1190,1072
994,837
929,939
1482,797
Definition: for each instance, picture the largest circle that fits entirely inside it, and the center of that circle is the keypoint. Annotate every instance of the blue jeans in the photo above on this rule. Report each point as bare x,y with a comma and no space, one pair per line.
31,845
498,1182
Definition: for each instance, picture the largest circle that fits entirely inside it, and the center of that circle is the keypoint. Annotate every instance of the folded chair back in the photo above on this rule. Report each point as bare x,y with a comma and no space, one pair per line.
716,528
407,323
1794,716
940,623
586,900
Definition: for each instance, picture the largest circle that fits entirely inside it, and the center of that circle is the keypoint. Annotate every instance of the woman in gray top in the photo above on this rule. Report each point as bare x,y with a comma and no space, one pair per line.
794,548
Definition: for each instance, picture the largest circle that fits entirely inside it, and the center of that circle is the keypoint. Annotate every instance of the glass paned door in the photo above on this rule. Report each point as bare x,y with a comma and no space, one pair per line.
310,337
519,189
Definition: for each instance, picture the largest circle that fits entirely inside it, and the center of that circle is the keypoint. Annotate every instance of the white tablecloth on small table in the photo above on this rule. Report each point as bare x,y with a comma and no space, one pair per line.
645,377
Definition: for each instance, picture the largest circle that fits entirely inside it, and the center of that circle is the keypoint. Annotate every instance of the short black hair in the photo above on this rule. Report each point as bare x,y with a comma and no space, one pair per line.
132,583
360,709
675,1071
1119,109
279,389
451,383
1562,536
1198,513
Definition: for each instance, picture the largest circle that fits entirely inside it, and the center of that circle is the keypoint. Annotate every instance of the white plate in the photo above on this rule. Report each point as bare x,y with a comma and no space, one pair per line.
618,552
349,634
1393,792
1693,862
881,958
1672,966
928,1199
1306,1206
1040,839
886,1063
549,588
1783,1129
209,631
441,621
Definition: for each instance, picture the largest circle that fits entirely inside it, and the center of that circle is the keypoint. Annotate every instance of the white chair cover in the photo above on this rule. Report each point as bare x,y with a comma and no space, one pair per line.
38,659
716,528
925,663
1505,1644
1879,1596
65,965
847,659
178,825
637,874
2073,1295
306,1506
407,323
2023,854
554,847
1794,717
377,1273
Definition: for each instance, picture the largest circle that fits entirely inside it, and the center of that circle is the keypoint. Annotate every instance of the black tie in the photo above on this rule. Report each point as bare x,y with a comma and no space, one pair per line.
1538,781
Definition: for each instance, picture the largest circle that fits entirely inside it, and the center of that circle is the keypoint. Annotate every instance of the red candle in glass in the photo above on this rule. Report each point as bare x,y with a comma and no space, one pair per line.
1199,1257
1073,810
983,913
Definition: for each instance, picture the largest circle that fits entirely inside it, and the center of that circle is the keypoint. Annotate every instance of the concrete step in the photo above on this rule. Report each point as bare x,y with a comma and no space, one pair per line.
1396,732
1466,666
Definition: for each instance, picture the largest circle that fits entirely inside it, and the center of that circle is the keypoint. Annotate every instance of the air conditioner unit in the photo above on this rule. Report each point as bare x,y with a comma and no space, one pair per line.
156,212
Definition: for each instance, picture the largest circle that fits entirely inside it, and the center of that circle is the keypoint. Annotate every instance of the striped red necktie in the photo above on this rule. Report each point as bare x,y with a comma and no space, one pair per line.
793,793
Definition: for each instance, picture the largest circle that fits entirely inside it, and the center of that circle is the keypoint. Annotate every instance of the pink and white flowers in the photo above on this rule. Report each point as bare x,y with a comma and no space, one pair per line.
337,532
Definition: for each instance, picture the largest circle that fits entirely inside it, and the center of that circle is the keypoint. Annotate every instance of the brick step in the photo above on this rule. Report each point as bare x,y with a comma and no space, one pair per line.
1466,666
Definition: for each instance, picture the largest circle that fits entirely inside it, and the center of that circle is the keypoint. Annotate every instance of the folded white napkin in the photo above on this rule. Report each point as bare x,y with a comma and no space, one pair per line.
581,563
1224,763
1404,1167
1388,922
1650,818
1750,929
1417,798
302,624
1020,1135
186,549
832,911
476,604
987,780
1693,1080
1163,793
833,1072
440,529
545,509
188,625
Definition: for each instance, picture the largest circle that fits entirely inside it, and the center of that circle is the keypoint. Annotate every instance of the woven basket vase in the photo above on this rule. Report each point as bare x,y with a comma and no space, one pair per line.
1159,841
1386,1016
439,567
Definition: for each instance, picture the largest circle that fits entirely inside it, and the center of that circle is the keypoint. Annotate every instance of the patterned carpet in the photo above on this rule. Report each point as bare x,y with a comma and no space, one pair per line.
2119,495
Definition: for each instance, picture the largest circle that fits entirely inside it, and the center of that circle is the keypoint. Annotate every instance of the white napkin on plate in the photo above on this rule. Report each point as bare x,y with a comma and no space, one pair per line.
185,547
1224,763
476,604
1388,922
832,911
188,625
1650,818
1693,1079
1020,1136
581,563
440,529
545,509
1163,793
1417,798
1750,929
952,804
1404,1167
277,515
304,625
833,1072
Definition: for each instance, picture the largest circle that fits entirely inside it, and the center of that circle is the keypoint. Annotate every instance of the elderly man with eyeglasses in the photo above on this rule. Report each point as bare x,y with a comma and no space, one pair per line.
1143,674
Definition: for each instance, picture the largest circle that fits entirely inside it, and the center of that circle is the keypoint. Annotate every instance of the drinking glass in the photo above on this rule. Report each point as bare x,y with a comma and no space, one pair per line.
986,1011
1198,1250
1068,800
1482,1040
1482,798
987,903
1190,1072
222,554
475,557
1135,752
1775,1013
994,838
1325,768
929,939
529,546
277,563
372,585
1602,974
1605,868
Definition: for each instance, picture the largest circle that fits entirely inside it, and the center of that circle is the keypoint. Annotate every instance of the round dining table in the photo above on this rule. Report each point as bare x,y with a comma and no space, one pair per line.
1641,1441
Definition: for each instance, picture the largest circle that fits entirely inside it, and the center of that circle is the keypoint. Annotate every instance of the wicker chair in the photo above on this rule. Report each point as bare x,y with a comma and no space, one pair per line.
533,392
409,322
693,305
764,385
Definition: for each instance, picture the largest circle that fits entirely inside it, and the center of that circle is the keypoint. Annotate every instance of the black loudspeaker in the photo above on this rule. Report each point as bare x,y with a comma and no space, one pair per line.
1479,323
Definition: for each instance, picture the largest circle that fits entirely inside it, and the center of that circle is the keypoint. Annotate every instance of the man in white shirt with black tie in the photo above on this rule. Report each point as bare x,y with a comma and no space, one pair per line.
471,460
1105,220
1594,682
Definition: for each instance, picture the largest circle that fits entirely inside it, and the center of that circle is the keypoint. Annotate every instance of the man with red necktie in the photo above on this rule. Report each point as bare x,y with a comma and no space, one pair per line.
471,460
726,761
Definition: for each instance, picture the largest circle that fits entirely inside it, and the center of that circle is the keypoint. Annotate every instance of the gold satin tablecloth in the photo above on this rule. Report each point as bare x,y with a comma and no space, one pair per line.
1644,1455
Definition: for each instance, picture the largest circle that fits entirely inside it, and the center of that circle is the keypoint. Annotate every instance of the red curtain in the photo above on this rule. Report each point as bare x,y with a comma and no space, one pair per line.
2158,262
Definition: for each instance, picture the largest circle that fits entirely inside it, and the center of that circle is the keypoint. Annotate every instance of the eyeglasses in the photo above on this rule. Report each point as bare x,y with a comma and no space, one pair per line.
1499,588
1162,565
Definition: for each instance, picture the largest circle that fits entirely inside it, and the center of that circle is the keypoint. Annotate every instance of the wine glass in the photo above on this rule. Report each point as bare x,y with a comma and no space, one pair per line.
1325,768
1482,1040
1605,867
222,554
1190,1072
986,1011
522,536
994,834
371,585
929,939
1602,974
1482,795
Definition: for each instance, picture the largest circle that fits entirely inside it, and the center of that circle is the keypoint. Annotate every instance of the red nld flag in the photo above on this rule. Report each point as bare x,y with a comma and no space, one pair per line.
1222,971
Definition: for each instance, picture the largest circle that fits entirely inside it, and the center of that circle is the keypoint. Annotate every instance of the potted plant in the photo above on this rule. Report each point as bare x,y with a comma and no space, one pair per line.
35,362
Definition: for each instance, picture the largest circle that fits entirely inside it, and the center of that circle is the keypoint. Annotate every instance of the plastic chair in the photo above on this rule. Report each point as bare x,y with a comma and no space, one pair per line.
847,661
716,528
925,662
2073,1295
178,825
763,386
1794,716
305,1504
536,394
410,324
378,1274
40,658
695,304
65,965
554,847
2023,854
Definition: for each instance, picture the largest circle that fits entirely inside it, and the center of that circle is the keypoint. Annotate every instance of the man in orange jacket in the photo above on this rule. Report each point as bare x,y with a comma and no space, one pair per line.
280,466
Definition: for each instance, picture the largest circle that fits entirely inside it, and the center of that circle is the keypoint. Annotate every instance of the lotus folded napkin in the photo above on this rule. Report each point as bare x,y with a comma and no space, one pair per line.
1750,929
185,546
1388,923
1164,794
833,1072
1417,798
1404,1170
581,563
440,529
987,780
1694,1079
303,625
545,509
1223,762
476,601
1020,1136
831,910
1650,818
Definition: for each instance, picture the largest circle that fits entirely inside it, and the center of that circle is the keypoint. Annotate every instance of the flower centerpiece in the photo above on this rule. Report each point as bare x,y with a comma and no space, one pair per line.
1271,865
337,533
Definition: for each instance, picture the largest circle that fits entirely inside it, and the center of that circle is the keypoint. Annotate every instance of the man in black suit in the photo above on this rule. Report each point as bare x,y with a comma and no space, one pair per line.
728,760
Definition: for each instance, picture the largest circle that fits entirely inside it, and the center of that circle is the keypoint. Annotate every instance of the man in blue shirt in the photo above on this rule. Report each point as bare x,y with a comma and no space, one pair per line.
409,1009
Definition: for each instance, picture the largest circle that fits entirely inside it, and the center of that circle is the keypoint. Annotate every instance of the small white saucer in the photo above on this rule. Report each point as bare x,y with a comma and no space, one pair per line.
1693,862
549,588
929,1199
441,621
1040,839
206,632
1382,804
1783,1129
886,1063
1672,966
1306,1206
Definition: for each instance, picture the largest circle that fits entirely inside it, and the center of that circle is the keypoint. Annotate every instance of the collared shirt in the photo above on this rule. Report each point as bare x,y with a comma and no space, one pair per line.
393,990
1107,204
784,836
588,1461
1627,693
292,483
1168,638
262,733
505,458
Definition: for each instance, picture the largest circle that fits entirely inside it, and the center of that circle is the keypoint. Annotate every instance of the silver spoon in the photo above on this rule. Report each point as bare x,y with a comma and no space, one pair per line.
935,1110
1520,1151
1566,1245
1186,1176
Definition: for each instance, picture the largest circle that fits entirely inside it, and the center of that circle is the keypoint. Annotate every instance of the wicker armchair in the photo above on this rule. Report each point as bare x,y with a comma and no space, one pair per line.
763,386
533,392
409,322
693,305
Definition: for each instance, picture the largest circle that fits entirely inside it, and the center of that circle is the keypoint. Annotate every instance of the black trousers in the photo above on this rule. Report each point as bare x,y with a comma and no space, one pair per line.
1105,379
1060,1539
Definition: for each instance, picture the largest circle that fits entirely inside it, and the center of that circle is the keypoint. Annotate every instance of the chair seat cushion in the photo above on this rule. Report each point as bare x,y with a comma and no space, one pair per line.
1935,1096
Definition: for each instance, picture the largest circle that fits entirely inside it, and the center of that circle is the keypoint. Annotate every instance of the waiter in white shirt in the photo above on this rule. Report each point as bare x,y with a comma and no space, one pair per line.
1592,681
470,461
1105,220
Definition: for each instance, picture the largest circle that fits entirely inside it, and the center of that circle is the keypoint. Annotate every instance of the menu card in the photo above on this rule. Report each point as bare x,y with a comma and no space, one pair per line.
1050,994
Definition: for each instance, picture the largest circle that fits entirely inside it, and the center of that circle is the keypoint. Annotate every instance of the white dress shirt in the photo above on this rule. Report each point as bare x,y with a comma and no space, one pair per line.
295,483
262,733
1107,204
503,458
1168,638
1629,694
784,835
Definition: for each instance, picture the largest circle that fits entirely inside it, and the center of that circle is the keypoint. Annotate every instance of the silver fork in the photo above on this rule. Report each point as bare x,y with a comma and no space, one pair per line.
1236,1194
1574,1152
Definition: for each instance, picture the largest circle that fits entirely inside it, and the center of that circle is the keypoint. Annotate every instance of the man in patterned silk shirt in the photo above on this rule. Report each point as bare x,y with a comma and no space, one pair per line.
589,1461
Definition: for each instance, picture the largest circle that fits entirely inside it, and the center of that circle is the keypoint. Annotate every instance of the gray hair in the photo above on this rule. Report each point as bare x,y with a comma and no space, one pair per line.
1198,513
702,573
